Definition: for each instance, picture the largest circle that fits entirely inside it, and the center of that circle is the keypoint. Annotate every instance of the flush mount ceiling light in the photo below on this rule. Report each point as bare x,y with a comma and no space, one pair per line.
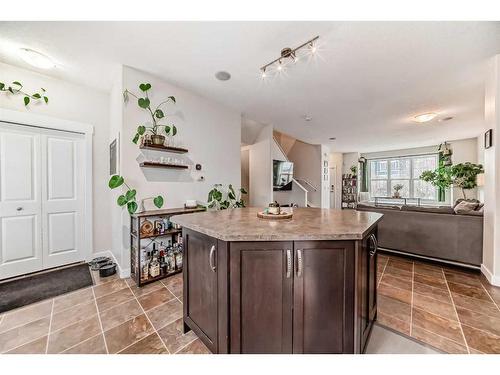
307,118
425,117
36,59
223,76
290,55
332,138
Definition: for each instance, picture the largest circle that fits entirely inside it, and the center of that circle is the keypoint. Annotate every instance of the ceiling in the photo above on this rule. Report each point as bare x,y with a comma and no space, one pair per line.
363,87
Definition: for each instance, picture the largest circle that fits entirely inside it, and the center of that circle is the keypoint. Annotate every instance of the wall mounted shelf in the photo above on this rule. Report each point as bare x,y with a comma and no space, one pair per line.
177,150
150,164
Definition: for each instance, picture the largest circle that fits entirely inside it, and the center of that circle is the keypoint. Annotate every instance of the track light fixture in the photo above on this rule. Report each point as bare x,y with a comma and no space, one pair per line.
289,53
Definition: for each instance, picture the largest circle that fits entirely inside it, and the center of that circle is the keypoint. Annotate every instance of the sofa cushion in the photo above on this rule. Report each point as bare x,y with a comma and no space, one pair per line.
460,200
465,207
430,209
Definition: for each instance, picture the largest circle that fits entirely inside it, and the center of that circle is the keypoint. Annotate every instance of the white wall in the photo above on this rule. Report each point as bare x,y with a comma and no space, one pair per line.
261,168
491,234
77,103
307,164
348,160
209,130
336,160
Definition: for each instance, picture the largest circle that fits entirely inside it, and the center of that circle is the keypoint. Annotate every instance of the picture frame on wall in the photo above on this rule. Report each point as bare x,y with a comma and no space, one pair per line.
488,139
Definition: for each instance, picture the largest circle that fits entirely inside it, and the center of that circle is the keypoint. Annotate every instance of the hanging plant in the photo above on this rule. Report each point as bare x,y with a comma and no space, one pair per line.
129,198
16,88
156,114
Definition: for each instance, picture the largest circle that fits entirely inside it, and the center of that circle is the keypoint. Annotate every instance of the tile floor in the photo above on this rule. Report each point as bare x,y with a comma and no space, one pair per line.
114,316
451,309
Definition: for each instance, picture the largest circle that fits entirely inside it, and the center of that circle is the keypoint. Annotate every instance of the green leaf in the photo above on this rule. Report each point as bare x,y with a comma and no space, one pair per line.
37,96
172,98
136,138
158,201
143,102
167,129
26,100
17,83
46,100
210,196
130,194
10,89
2,85
159,113
43,89
141,130
144,87
115,181
122,200
132,207
243,191
174,130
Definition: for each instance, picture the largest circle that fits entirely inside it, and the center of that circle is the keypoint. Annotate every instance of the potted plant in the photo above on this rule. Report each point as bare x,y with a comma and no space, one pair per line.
462,175
156,114
397,188
129,198
17,88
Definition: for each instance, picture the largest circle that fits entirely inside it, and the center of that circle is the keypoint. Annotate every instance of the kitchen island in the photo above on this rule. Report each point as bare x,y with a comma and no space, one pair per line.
301,285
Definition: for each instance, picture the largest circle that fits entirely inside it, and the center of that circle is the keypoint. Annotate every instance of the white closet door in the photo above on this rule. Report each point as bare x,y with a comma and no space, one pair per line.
62,198
20,201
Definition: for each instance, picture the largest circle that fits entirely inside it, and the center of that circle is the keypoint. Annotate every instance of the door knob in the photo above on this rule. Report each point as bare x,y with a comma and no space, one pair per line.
19,209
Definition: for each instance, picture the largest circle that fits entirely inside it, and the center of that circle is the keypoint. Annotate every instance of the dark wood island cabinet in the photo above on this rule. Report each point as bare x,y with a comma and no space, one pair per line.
307,285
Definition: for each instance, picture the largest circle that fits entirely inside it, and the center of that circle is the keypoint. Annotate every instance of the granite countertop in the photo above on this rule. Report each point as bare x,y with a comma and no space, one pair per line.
242,224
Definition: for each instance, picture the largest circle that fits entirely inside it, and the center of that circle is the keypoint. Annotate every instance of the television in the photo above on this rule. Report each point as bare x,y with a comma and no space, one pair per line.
282,175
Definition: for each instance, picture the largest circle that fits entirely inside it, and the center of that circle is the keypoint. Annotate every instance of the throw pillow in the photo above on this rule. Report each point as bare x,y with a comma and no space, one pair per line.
465,207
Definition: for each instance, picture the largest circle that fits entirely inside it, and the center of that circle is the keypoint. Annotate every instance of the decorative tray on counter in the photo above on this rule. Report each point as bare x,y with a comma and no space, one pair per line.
266,215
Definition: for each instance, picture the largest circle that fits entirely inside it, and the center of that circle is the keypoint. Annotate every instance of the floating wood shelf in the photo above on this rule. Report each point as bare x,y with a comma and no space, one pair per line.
177,150
150,164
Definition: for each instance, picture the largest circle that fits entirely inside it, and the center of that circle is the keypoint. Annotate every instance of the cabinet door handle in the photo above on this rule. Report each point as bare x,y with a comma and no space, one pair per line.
211,258
288,263
300,264
373,238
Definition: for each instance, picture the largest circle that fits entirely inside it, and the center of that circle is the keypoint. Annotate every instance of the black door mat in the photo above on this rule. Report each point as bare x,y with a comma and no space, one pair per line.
30,289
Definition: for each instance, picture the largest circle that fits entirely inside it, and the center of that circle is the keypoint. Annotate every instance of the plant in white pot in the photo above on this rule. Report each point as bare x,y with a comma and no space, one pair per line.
397,188
156,114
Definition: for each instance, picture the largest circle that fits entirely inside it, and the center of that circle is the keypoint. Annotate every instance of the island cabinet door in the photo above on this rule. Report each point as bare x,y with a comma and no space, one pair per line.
261,297
323,317
200,287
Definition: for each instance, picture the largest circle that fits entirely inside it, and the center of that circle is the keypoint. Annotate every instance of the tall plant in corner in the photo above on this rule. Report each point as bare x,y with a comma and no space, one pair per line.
156,113
129,198
16,88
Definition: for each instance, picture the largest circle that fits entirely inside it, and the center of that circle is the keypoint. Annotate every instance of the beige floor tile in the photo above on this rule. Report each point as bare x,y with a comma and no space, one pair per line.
23,315
174,338
477,305
103,280
120,314
439,342
174,284
462,279
396,282
125,334
394,308
429,291
401,264
73,315
140,291
479,321
470,291
72,299
428,270
156,298
165,313
37,346
434,306
482,341
24,334
148,345
396,272
436,282
70,336
196,347
94,345
108,288
114,299
396,293
438,325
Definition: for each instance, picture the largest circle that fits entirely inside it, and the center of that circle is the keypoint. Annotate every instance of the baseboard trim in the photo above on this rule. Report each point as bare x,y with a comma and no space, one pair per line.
123,273
492,279
438,260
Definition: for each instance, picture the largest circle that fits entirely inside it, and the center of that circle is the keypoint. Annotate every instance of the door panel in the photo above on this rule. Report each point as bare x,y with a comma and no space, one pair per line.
201,304
62,206
320,288
261,295
20,202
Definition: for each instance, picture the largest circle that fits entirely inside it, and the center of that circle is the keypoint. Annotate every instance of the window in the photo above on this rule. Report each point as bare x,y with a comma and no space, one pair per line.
384,174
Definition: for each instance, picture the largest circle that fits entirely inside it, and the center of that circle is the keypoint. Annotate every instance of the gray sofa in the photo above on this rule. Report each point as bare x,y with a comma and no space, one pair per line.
434,232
